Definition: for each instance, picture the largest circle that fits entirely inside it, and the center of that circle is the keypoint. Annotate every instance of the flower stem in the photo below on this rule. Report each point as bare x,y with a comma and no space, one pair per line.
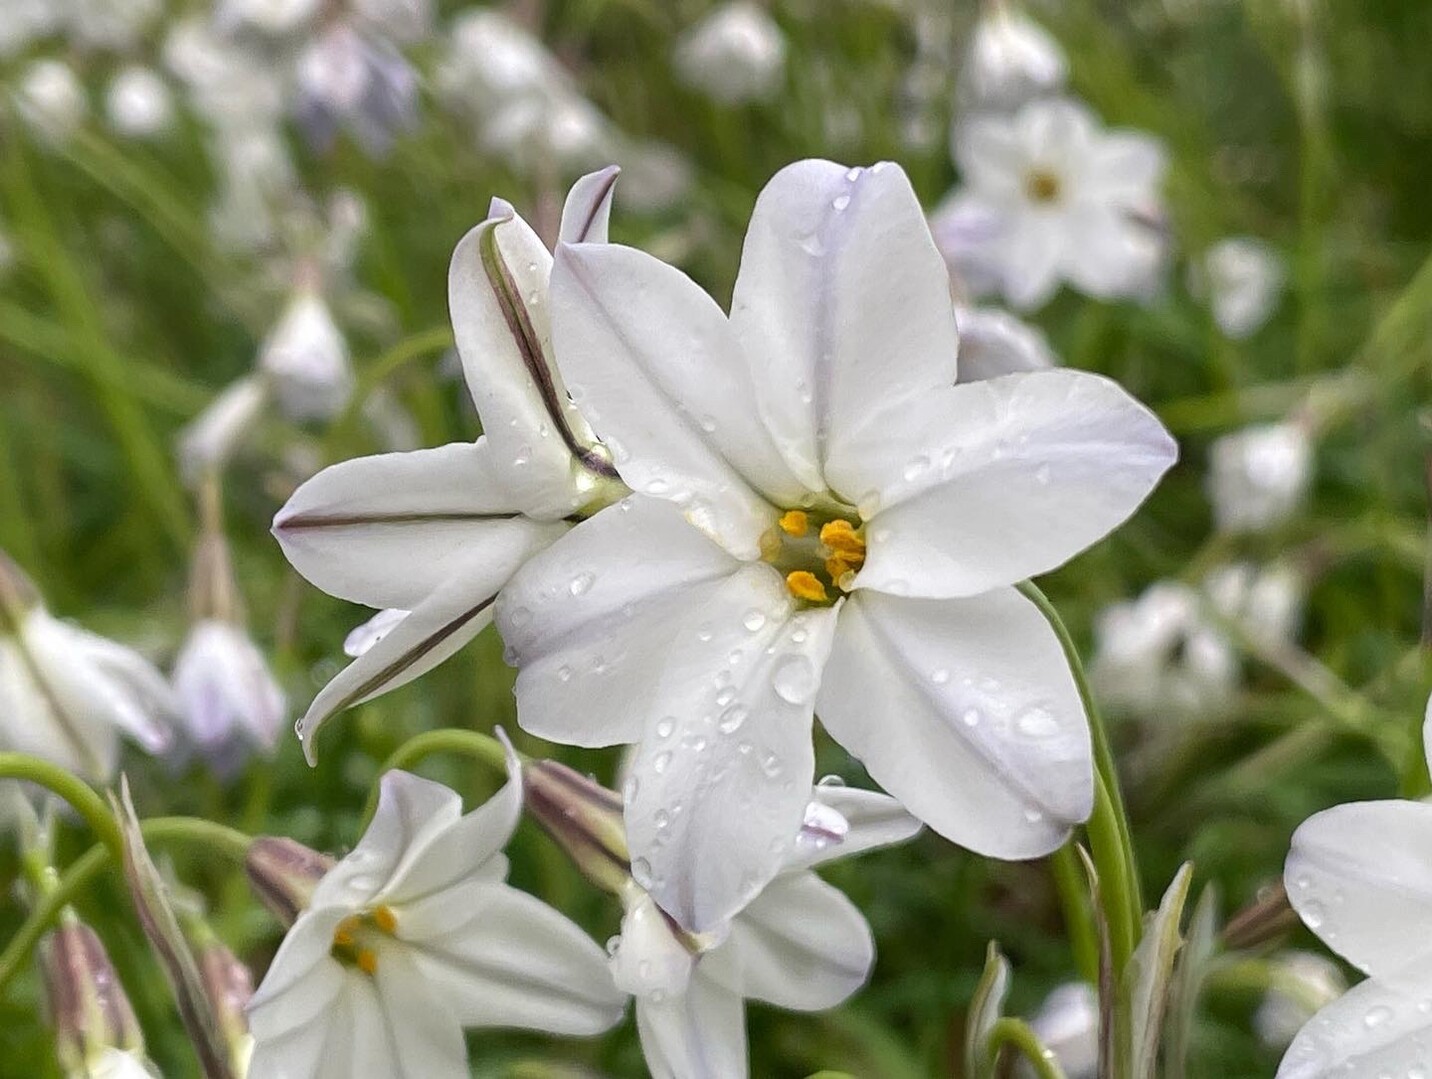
70,787
1069,882
1110,840
1016,1034
474,744
72,883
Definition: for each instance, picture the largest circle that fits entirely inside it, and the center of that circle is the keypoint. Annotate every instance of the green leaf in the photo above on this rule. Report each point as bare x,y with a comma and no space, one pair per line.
1146,982
986,1009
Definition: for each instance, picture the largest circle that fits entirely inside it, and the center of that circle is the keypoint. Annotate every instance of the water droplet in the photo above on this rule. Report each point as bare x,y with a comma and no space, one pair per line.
803,391
524,455
629,790
940,676
704,632
657,486
916,467
1037,722
708,424
519,617
731,719
794,680
694,742
663,819
580,583
1033,816
1041,474
665,726
840,203
725,697
753,620
771,765
564,674
1376,1016
614,945
660,761
853,175
641,872
831,781
1313,915
970,717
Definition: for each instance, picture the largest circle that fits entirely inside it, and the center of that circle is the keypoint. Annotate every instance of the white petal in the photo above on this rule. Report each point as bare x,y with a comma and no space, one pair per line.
589,620
699,1034
426,1035
387,531
516,962
801,944
991,156
656,369
1127,165
498,297
588,208
994,343
868,819
1110,253
1368,1033
365,635
225,688
412,813
31,722
842,307
1427,733
723,774
1360,876
1032,259
965,710
302,978
649,958
997,481
436,628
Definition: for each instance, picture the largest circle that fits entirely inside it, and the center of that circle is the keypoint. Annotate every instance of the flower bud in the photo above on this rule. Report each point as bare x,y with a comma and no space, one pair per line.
307,358
1259,476
88,1006
735,54
228,985
138,104
584,818
1011,60
52,101
283,874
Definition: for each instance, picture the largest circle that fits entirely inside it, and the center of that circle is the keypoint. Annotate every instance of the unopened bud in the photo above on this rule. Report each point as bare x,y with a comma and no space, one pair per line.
228,985
584,818
283,874
88,1006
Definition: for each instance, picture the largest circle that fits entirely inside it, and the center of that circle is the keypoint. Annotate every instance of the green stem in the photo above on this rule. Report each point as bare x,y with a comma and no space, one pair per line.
1122,908
73,882
71,788
1078,922
1016,1034
474,744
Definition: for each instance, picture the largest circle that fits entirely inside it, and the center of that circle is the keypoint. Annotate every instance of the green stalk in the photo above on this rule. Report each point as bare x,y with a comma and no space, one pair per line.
72,883
482,747
1078,922
71,788
1016,1034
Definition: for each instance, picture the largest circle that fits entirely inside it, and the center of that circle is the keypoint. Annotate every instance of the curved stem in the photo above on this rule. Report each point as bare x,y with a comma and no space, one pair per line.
1116,892
474,744
71,788
84,869
1016,1034
1069,883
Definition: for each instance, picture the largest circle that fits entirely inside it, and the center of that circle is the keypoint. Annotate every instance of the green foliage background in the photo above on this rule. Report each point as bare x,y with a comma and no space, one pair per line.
1308,124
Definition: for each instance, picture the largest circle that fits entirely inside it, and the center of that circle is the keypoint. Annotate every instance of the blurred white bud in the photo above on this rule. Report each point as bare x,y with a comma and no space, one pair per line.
655,177
1243,279
269,16
307,358
257,181
138,103
118,25
233,87
401,21
569,132
210,439
1266,602
1303,983
347,80
735,54
993,343
227,697
490,60
1259,476
1011,60
1068,1026
51,100
25,22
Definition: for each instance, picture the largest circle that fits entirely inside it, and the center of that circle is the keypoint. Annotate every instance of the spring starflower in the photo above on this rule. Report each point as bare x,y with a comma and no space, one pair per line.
824,524
414,936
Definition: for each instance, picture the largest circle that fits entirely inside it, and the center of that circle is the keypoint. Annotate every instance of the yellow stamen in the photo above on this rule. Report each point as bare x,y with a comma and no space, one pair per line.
367,961
386,920
806,585
840,536
837,566
795,523
343,935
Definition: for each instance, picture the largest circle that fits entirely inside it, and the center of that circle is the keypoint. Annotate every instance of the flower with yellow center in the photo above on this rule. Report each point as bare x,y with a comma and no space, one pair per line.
824,524
414,936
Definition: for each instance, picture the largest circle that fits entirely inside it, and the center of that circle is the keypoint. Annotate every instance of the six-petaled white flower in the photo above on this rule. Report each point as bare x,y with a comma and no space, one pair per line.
824,523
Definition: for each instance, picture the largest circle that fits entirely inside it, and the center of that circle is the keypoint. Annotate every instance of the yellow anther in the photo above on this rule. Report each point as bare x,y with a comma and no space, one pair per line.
806,585
367,961
840,536
386,920
795,522
343,935
839,566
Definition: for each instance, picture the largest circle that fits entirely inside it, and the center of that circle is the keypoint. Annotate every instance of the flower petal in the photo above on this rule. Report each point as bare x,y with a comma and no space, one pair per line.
871,820
302,978
498,298
588,208
699,1034
1369,1032
997,481
842,307
801,944
965,710
722,777
589,620
1360,876
387,531
427,1037
658,372
516,962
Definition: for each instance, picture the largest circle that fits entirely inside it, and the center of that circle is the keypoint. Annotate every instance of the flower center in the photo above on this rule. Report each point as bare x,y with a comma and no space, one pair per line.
819,554
1042,185
355,938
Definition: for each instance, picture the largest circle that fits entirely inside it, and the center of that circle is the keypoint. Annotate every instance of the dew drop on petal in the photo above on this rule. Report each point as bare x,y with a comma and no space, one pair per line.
732,718
660,762
794,680
665,726
641,872
970,717
580,583
1376,1016
1313,915
1037,722
831,780
840,203
753,620
940,676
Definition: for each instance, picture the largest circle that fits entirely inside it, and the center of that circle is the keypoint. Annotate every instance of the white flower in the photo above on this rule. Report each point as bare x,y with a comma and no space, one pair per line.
1011,60
138,103
1360,877
1302,984
226,694
798,944
1049,196
117,25
1068,1026
1266,602
307,358
276,17
346,77
26,21
67,694
208,441
437,532
257,180
735,54
414,936
1258,477
1244,279
813,488
994,343
51,100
